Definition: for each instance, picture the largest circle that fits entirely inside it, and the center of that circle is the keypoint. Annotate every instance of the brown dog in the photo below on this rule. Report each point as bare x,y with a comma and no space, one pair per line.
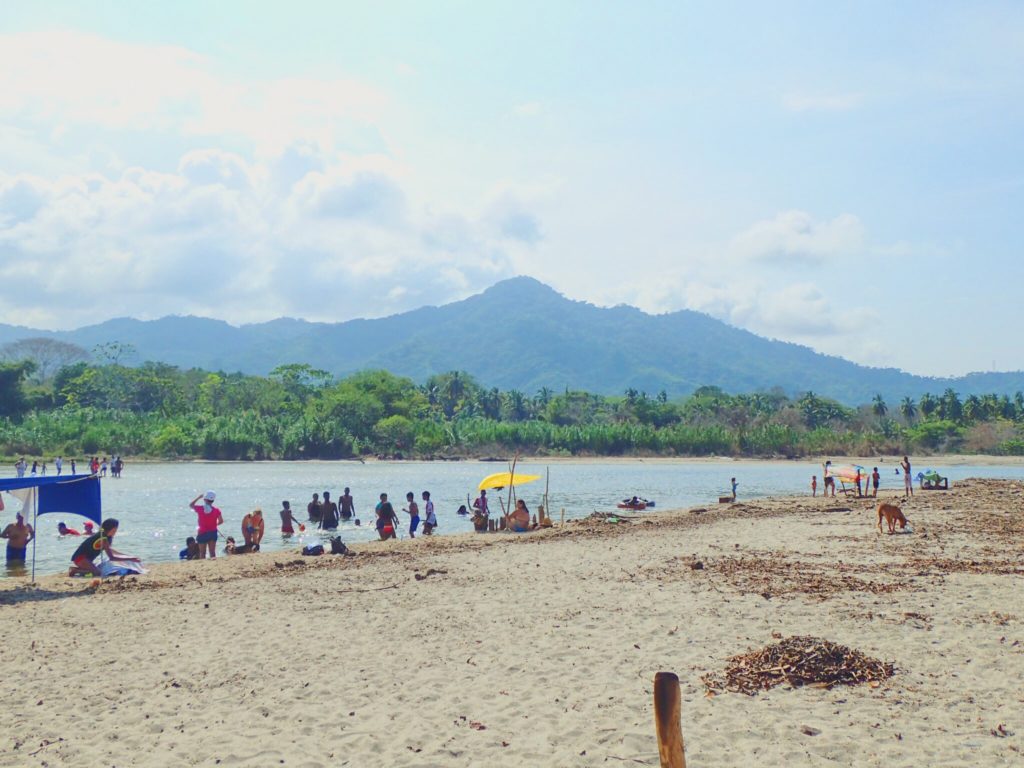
892,515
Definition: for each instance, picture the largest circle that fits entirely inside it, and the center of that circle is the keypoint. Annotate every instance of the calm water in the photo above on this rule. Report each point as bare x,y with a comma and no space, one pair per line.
150,499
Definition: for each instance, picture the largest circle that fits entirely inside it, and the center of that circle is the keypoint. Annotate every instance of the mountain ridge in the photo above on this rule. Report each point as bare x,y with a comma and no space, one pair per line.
522,334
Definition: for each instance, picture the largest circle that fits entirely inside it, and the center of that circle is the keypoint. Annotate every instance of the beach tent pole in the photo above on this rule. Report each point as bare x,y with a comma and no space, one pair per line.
35,529
547,486
667,713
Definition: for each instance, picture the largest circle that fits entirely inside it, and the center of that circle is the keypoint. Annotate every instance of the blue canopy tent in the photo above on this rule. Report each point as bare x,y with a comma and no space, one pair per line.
71,494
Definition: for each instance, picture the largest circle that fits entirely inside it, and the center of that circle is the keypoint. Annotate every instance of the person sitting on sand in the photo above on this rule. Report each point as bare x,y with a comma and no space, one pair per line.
63,530
387,520
191,550
82,560
253,528
519,518
232,548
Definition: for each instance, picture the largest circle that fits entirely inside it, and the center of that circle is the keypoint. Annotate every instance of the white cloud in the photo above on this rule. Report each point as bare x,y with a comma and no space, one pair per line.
242,199
796,237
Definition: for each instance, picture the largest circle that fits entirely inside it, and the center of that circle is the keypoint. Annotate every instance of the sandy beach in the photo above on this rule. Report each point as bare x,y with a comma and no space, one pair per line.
540,649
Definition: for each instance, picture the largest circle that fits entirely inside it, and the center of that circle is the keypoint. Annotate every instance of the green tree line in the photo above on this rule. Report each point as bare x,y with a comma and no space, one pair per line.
104,406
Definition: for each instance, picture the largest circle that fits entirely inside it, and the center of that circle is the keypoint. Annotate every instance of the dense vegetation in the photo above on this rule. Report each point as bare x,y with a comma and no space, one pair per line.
299,412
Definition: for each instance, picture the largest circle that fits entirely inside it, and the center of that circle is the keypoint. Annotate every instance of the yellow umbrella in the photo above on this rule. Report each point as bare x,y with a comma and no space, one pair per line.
503,479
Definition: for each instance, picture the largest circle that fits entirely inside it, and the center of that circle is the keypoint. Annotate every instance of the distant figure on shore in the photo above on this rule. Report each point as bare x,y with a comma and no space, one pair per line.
875,479
734,484
413,511
253,528
191,550
328,513
59,464
856,482
908,481
814,485
519,518
35,468
430,521
42,469
18,535
208,517
287,518
830,481
73,467
63,530
313,509
103,467
82,560
348,505
387,520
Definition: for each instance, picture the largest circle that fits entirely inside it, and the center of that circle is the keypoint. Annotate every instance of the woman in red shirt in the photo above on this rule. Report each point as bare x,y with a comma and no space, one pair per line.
209,517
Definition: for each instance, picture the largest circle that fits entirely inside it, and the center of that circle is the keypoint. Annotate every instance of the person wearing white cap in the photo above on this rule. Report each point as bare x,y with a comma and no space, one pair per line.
209,518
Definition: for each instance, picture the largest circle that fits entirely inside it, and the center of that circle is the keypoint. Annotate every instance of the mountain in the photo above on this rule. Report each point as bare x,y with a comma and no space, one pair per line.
522,334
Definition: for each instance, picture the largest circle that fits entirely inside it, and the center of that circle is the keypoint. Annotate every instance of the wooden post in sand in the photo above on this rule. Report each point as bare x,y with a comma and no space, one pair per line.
667,713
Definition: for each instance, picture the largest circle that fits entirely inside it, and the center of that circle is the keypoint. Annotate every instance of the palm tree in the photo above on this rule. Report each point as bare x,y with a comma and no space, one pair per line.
927,405
908,409
879,406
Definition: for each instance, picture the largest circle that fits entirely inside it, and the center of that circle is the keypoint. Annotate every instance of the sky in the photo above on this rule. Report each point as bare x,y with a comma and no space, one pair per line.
848,176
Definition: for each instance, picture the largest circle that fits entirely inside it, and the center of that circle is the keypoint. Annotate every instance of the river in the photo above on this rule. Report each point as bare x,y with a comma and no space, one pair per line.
150,500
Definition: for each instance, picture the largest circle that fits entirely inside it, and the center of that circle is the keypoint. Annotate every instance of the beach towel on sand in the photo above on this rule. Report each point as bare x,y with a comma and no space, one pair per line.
110,568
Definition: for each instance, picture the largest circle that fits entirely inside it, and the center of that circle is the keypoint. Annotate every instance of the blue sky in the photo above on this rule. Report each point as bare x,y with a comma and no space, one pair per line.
846,176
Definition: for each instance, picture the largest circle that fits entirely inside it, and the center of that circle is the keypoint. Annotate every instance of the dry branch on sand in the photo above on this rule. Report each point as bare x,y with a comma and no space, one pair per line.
797,661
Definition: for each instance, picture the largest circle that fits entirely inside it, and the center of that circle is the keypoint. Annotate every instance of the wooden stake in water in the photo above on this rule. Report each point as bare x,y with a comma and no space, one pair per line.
667,713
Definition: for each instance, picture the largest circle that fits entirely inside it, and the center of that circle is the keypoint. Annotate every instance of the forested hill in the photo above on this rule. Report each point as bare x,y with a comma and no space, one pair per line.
521,334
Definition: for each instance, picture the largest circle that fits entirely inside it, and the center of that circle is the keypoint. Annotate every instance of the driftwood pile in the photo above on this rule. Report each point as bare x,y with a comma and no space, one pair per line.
798,661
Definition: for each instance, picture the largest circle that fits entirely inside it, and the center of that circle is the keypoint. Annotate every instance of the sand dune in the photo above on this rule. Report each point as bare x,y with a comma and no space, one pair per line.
540,649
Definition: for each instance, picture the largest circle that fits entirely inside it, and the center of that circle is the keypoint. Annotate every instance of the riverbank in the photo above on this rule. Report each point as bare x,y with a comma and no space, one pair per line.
540,649
934,460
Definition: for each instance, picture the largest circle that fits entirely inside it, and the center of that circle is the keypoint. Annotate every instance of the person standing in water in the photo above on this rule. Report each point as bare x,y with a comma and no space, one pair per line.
313,509
18,534
348,505
387,520
480,505
414,514
328,513
253,528
208,517
430,521
287,518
